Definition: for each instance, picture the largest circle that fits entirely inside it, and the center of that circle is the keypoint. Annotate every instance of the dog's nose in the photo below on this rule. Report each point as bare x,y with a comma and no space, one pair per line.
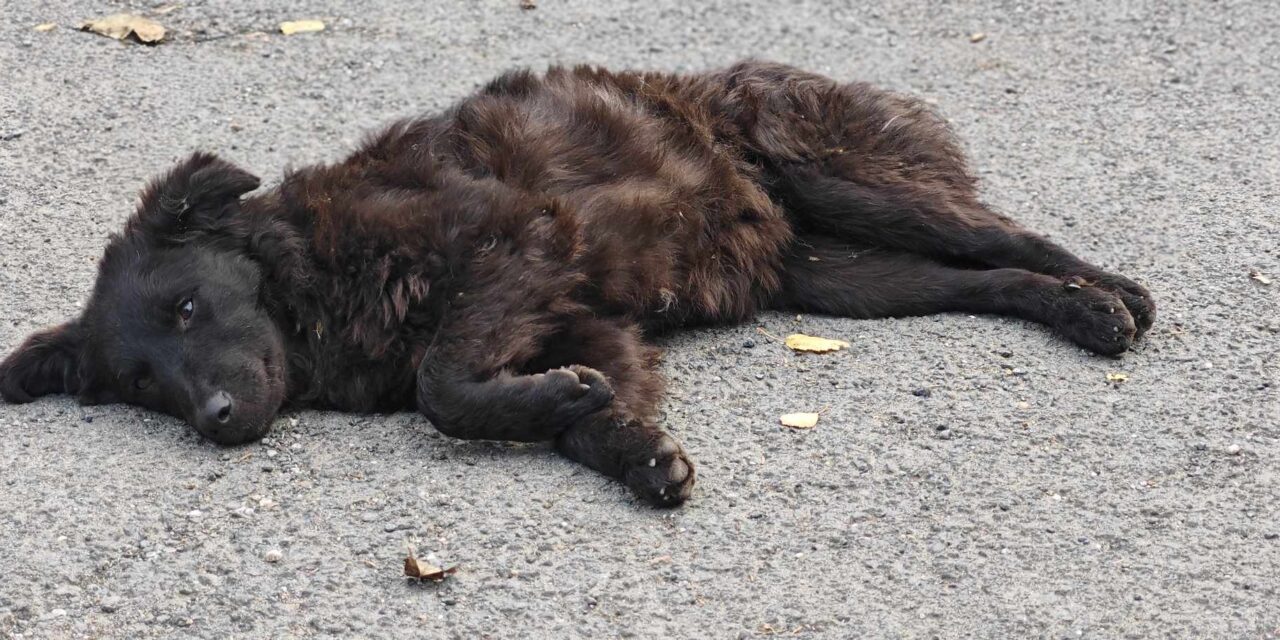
217,410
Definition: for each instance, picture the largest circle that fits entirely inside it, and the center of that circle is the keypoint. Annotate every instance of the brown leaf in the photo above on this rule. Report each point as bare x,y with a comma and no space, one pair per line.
420,569
301,26
799,420
528,5
123,25
811,344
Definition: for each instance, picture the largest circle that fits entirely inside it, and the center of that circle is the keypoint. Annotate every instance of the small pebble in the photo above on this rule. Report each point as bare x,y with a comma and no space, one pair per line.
1233,449
749,344
922,393
274,555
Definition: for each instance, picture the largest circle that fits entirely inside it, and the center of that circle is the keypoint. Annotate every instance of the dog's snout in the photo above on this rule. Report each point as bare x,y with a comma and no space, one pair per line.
218,408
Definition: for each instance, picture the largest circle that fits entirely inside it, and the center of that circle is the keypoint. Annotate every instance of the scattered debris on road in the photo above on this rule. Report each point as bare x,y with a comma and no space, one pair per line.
415,567
1117,378
47,26
977,37
122,25
811,344
1260,277
799,420
301,26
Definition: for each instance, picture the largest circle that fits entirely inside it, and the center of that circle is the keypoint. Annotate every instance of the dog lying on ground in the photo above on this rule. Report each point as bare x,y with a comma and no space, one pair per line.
500,267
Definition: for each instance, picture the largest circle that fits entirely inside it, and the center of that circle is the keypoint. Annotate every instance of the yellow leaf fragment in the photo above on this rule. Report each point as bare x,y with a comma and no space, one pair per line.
1260,277
1117,378
47,26
123,25
799,420
977,37
801,342
301,26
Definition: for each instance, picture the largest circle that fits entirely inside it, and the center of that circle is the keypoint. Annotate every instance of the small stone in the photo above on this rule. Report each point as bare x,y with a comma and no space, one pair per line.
194,514
1233,449
109,604
266,503
922,392
749,344
1270,535
274,555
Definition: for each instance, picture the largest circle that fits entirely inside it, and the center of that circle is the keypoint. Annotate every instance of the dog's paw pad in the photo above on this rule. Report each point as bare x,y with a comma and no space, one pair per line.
1137,300
1097,320
663,476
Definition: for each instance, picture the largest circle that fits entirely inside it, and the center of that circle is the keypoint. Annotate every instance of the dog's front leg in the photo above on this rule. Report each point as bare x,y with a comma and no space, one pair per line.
526,408
511,299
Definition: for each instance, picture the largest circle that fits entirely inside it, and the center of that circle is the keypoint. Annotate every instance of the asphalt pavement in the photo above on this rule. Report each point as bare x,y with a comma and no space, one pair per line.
971,477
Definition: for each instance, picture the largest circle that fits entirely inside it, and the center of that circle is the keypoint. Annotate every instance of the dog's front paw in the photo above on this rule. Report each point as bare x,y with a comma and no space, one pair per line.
574,393
662,474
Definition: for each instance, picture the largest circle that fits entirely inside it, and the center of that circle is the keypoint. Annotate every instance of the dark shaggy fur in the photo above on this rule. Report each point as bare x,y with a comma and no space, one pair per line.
499,266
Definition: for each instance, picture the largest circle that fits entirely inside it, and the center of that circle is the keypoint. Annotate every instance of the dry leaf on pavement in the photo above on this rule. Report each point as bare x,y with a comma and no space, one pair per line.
801,342
799,420
301,26
123,25
415,567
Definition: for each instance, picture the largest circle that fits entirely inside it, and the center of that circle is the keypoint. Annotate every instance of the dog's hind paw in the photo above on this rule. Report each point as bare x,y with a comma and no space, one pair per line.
1095,319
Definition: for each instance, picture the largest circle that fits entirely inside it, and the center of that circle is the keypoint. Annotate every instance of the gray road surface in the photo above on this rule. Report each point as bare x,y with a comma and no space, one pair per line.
1025,497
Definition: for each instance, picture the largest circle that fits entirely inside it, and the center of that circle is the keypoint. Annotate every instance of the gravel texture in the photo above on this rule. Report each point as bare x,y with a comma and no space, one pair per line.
969,477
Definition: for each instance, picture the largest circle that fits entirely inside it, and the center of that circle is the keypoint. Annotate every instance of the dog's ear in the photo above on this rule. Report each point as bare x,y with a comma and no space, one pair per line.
192,197
48,362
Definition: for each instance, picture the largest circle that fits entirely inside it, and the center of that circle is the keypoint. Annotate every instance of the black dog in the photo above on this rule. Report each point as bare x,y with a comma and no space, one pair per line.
499,266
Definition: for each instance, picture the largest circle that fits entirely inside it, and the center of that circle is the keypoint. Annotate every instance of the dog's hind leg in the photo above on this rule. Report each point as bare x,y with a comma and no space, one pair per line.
825,276
945,223
873,167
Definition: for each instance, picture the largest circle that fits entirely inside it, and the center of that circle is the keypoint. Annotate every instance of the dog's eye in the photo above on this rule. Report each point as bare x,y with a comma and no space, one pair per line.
186,308
142,382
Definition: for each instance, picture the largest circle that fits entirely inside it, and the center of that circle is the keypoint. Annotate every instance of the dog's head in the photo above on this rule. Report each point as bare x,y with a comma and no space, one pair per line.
175,322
